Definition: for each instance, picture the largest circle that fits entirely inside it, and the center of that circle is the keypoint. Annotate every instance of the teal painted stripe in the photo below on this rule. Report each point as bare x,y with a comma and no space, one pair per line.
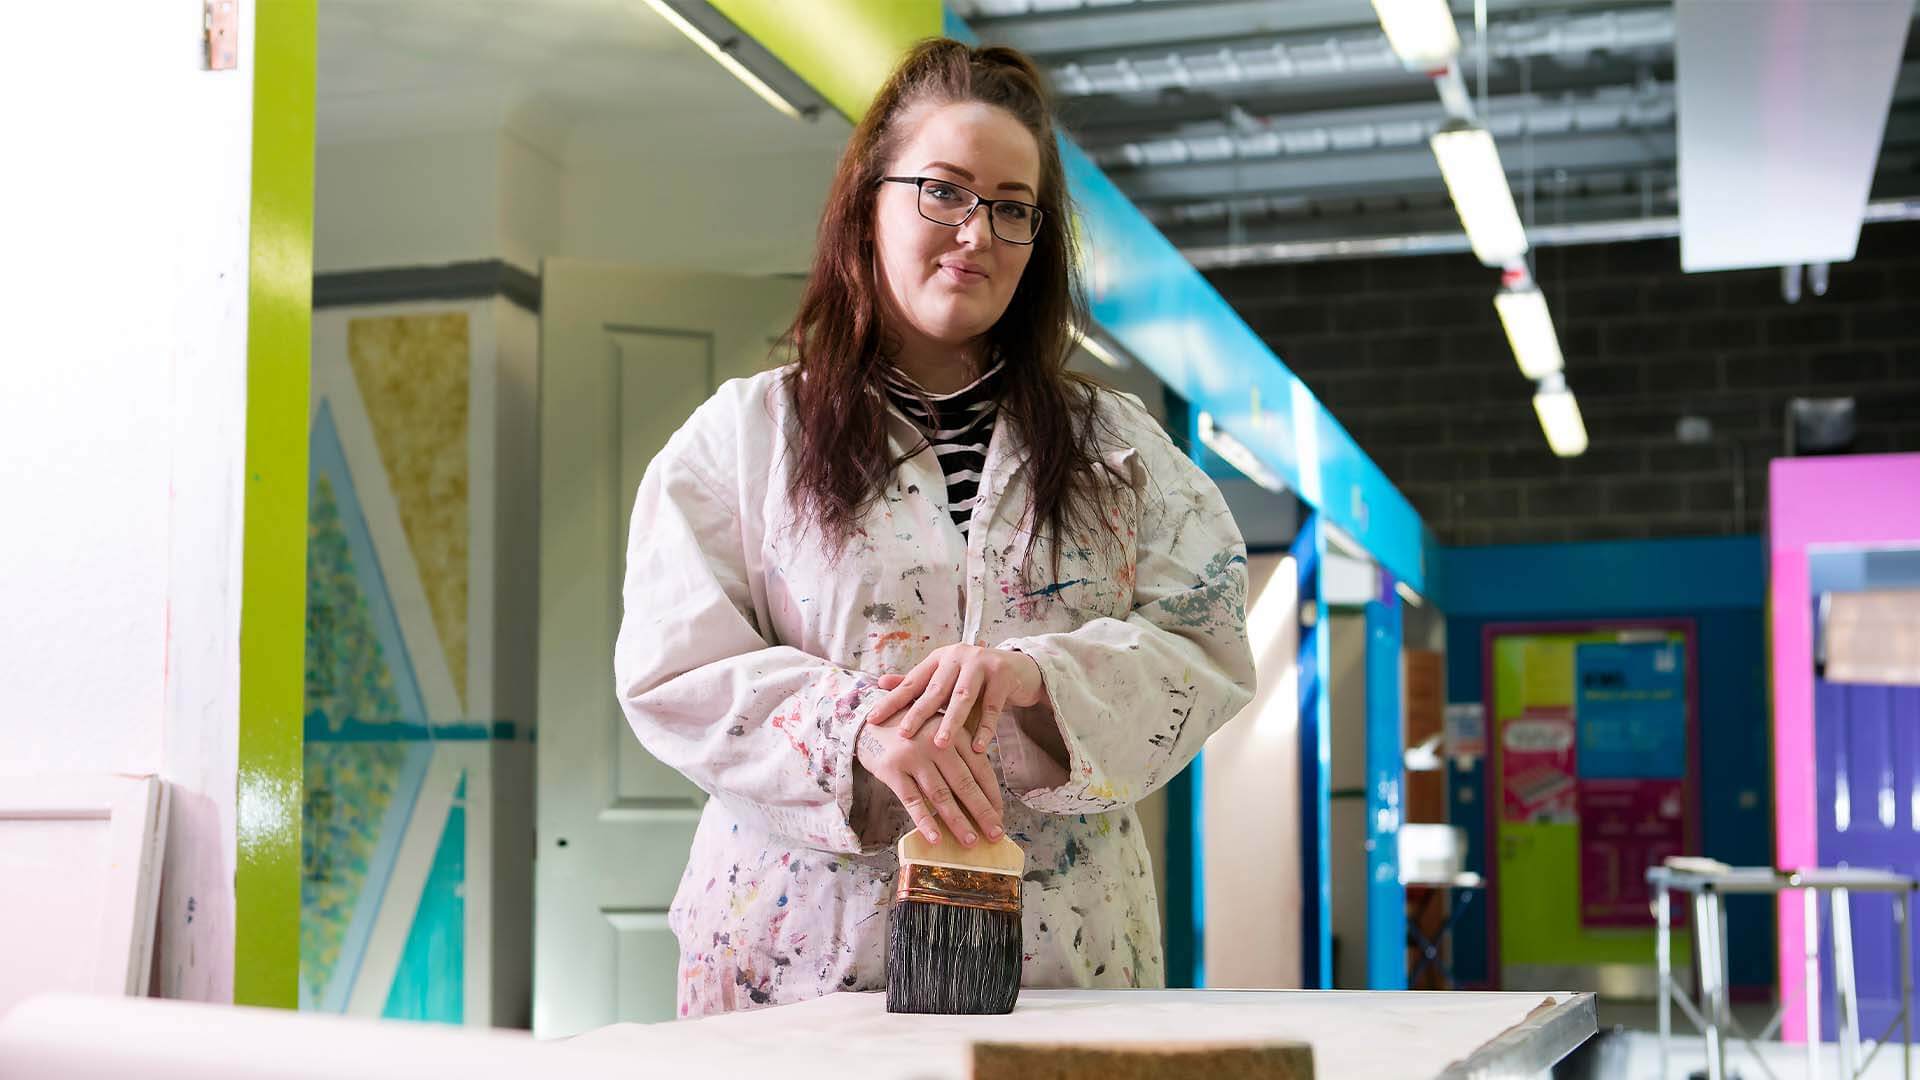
1182,869
1197,840
353,730
430,983
373,891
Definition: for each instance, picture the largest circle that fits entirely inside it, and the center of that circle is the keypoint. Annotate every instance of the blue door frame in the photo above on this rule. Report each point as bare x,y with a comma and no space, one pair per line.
1316,744
1386,764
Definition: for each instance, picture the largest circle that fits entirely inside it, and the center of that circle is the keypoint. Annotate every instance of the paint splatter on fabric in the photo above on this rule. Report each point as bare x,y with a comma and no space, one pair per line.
748,659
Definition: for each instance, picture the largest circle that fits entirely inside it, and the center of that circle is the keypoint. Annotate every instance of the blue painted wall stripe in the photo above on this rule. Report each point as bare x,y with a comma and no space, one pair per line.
1601,579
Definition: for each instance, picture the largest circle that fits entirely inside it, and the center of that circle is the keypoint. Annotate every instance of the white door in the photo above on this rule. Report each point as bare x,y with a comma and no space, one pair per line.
626,356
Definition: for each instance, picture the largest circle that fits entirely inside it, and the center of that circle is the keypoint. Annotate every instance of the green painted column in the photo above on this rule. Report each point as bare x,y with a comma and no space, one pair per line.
843,48
273,573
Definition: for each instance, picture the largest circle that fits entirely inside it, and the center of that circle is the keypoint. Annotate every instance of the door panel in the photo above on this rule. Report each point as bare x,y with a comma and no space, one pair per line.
626,356
1867,788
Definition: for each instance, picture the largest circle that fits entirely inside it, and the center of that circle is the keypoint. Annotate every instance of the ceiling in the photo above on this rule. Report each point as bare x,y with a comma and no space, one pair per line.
1257,130
1247,130
599,77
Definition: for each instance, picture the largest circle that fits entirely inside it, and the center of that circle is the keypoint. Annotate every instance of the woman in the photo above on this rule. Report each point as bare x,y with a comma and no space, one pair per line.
927,518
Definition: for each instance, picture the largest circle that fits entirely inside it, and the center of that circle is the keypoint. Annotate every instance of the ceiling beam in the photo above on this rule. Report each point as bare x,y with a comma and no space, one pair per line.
1379,170
1441,242
1174,23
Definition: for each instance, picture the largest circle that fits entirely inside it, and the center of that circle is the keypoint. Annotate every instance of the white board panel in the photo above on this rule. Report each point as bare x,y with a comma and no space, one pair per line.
1782,106
79,873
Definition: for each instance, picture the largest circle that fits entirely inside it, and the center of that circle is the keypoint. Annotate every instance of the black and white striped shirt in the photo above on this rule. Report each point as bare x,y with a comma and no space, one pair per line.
959,430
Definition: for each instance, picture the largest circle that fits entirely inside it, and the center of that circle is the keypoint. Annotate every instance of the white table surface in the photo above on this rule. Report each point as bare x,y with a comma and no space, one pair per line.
1355,1035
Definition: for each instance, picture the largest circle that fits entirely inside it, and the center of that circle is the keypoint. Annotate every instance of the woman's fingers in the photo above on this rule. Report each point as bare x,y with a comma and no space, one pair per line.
992,707
966,691
918,808
986,777
945,804
932,698
961,779
904,691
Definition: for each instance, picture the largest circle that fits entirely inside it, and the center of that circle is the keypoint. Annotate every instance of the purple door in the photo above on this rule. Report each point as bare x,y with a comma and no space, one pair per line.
1867,742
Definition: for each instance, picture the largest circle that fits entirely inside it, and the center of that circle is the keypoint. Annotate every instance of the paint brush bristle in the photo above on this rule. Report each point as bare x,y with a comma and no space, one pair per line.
953,936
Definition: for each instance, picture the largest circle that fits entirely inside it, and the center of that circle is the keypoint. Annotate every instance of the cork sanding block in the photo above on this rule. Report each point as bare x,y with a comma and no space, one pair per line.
1143,1061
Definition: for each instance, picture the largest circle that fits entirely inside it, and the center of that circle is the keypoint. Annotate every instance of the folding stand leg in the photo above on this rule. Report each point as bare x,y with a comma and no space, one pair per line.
1663,954
1713,993
1462,899
1846,994
1905,910
1428,948
1810,999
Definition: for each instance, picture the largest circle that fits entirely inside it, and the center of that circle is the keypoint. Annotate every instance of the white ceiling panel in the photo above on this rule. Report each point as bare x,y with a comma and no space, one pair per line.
1782,105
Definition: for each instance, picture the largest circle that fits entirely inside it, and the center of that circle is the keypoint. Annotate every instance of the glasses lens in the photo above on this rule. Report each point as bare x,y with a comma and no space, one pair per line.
945,203
1016,223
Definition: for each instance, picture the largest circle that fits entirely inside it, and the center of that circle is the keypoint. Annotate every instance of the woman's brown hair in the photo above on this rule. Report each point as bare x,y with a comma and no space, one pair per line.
841,464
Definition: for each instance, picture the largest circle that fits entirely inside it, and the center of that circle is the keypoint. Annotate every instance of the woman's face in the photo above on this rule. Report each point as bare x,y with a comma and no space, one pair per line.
946,284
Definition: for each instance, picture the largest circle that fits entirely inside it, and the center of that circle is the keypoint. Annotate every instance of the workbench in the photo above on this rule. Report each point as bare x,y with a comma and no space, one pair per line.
1355,1035
1352,1035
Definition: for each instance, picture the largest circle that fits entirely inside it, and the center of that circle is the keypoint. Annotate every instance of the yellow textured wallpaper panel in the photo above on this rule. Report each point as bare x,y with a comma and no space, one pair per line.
412,373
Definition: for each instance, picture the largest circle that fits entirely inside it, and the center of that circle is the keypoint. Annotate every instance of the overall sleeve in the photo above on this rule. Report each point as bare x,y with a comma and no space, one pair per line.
1134,699
769,731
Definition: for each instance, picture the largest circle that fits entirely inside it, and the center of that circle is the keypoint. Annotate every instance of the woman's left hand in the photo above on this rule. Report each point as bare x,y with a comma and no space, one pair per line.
950,680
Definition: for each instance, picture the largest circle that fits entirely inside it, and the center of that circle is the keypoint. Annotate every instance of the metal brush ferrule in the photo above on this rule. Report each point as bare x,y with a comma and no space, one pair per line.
958,888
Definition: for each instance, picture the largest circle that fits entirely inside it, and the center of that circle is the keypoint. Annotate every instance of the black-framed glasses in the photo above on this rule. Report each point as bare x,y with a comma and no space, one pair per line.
944,202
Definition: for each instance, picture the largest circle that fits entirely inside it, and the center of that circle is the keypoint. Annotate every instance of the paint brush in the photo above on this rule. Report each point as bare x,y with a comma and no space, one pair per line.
953,936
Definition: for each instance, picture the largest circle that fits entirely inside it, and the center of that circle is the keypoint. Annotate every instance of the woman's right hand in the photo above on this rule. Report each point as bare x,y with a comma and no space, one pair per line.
952,784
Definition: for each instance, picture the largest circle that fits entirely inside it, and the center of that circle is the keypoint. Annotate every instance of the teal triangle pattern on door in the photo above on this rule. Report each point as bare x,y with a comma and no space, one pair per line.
430,983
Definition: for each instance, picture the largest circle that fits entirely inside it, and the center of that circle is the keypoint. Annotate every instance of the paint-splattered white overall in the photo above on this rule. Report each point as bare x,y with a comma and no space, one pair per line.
747,659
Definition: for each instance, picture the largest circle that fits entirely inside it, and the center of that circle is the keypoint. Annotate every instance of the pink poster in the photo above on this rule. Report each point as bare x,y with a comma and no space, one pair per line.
1625,827
1537,766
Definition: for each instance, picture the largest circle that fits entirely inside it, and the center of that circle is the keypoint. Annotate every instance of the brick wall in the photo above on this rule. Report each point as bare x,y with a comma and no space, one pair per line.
1409,355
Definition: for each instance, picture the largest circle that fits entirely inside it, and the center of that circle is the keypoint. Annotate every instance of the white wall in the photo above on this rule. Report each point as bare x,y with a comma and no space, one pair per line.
407,202
515,642
1251,814
687,198
122,402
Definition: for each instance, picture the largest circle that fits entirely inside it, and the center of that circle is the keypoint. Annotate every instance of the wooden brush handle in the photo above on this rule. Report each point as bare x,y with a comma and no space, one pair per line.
1002,854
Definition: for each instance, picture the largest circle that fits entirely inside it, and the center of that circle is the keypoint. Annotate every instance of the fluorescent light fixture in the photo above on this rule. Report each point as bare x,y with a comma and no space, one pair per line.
1096,344
1530,331
724,56
1420,31
1237,455
1560,417
1471,167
